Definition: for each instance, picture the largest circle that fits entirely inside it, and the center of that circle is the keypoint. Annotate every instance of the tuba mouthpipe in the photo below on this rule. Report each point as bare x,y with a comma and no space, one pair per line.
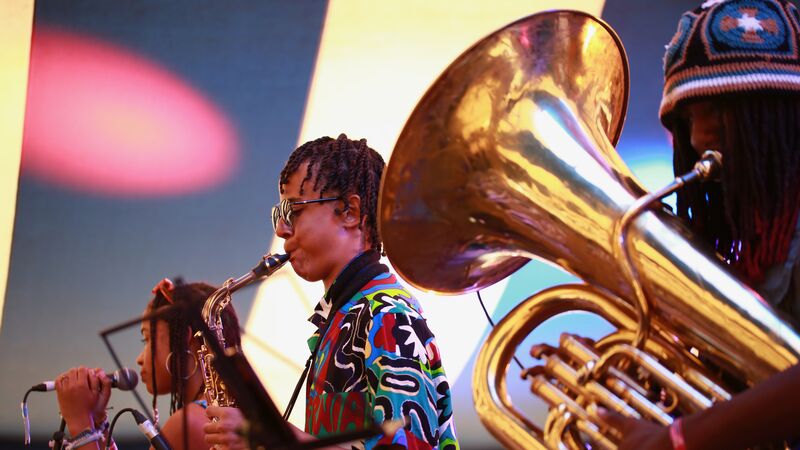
707,167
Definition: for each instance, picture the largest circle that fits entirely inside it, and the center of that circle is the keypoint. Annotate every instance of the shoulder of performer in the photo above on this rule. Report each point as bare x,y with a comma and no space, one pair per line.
172,431
397,327
385,295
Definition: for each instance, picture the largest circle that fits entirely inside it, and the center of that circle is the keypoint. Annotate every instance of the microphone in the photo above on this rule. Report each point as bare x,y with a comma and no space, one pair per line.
124,379
150,431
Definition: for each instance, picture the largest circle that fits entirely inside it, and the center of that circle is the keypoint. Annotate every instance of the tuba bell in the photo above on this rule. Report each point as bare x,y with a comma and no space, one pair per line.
510,156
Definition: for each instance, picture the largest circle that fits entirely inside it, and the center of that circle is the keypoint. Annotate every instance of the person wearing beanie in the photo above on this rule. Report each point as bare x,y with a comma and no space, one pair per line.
732,84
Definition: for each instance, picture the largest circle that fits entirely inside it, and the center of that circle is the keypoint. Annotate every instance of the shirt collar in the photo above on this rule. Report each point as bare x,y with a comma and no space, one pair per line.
321,312
345,277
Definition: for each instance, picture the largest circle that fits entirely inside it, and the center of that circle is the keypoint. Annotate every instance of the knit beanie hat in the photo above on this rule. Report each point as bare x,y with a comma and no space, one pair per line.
727,46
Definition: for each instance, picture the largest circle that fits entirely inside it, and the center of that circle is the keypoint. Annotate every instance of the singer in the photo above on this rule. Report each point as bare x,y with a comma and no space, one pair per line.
168,365
373,357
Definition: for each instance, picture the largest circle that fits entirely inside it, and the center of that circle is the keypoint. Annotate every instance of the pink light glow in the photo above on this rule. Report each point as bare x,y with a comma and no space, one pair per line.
100,119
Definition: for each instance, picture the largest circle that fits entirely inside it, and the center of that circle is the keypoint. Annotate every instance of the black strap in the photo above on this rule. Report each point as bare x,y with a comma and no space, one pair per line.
358,272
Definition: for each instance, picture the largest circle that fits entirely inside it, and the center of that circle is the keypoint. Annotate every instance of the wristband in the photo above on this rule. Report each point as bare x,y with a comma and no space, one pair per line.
82,440
84,437
676,434
103,426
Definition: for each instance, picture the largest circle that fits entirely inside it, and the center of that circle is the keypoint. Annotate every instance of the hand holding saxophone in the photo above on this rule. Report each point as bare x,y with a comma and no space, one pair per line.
224,429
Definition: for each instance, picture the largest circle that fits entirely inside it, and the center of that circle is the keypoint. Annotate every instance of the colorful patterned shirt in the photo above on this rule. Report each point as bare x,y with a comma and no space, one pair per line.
378,361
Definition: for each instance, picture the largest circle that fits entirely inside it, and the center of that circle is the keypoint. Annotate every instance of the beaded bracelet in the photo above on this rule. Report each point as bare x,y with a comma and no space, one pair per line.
102,427
84,437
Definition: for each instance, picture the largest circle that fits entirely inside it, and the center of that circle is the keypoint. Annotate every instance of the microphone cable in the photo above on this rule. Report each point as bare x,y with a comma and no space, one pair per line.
25,419
114,422
491,322
144,425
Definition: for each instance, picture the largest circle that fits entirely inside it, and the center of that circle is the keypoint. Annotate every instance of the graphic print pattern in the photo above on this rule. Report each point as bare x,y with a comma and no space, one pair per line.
379,361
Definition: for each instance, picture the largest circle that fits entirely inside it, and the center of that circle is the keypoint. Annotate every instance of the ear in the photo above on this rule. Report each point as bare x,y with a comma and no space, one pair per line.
351,215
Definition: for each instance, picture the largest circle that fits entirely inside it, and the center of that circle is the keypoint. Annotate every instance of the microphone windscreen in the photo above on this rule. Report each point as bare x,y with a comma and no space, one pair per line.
125,379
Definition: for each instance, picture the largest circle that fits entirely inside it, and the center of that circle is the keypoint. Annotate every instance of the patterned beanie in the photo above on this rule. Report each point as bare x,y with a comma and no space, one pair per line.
727,46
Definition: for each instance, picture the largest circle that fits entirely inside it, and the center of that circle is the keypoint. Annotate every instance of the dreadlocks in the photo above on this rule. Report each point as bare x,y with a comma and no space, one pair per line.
344,167
750,216
180,364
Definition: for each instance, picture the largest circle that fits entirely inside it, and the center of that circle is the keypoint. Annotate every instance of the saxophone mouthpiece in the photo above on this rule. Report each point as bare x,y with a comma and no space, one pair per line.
270,264
276,259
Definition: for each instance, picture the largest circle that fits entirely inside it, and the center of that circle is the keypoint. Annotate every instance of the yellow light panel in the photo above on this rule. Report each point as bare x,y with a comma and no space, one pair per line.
16,21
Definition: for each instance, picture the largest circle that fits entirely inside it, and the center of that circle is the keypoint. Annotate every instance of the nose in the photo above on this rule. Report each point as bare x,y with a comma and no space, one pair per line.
705,127
283,230
700,140
140,358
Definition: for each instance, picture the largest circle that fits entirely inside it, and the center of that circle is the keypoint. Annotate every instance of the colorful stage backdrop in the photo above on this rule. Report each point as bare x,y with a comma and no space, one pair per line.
153,136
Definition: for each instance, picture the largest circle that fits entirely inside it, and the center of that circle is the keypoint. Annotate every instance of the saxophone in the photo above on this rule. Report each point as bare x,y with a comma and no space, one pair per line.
216,393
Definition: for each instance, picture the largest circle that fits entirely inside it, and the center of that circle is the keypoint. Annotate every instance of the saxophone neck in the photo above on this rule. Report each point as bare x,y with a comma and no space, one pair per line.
268,265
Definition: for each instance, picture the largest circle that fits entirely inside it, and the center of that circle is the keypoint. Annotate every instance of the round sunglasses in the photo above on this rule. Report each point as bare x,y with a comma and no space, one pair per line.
285,211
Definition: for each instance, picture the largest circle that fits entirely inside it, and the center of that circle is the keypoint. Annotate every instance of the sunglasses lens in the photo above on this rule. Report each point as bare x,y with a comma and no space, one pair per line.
275,217
286,207
282,211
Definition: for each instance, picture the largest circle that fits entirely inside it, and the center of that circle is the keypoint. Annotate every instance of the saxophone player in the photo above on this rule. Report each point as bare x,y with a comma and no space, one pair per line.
168,365
732,84
373,357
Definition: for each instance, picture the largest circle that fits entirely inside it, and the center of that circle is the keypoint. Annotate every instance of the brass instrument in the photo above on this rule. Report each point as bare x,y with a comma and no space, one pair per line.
510,156
216,393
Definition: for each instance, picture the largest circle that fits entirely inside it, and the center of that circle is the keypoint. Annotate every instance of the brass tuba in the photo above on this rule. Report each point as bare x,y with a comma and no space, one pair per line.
215,391
510,156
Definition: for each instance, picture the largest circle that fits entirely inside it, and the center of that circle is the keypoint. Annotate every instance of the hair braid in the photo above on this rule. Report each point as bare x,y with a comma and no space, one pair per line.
178,343
153,332
750,217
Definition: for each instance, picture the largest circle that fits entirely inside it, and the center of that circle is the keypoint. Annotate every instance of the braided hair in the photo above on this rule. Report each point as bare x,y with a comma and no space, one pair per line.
750,216
180,332
343,167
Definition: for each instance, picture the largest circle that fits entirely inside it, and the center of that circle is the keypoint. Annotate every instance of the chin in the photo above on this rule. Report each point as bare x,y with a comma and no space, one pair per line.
307,276
300,271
